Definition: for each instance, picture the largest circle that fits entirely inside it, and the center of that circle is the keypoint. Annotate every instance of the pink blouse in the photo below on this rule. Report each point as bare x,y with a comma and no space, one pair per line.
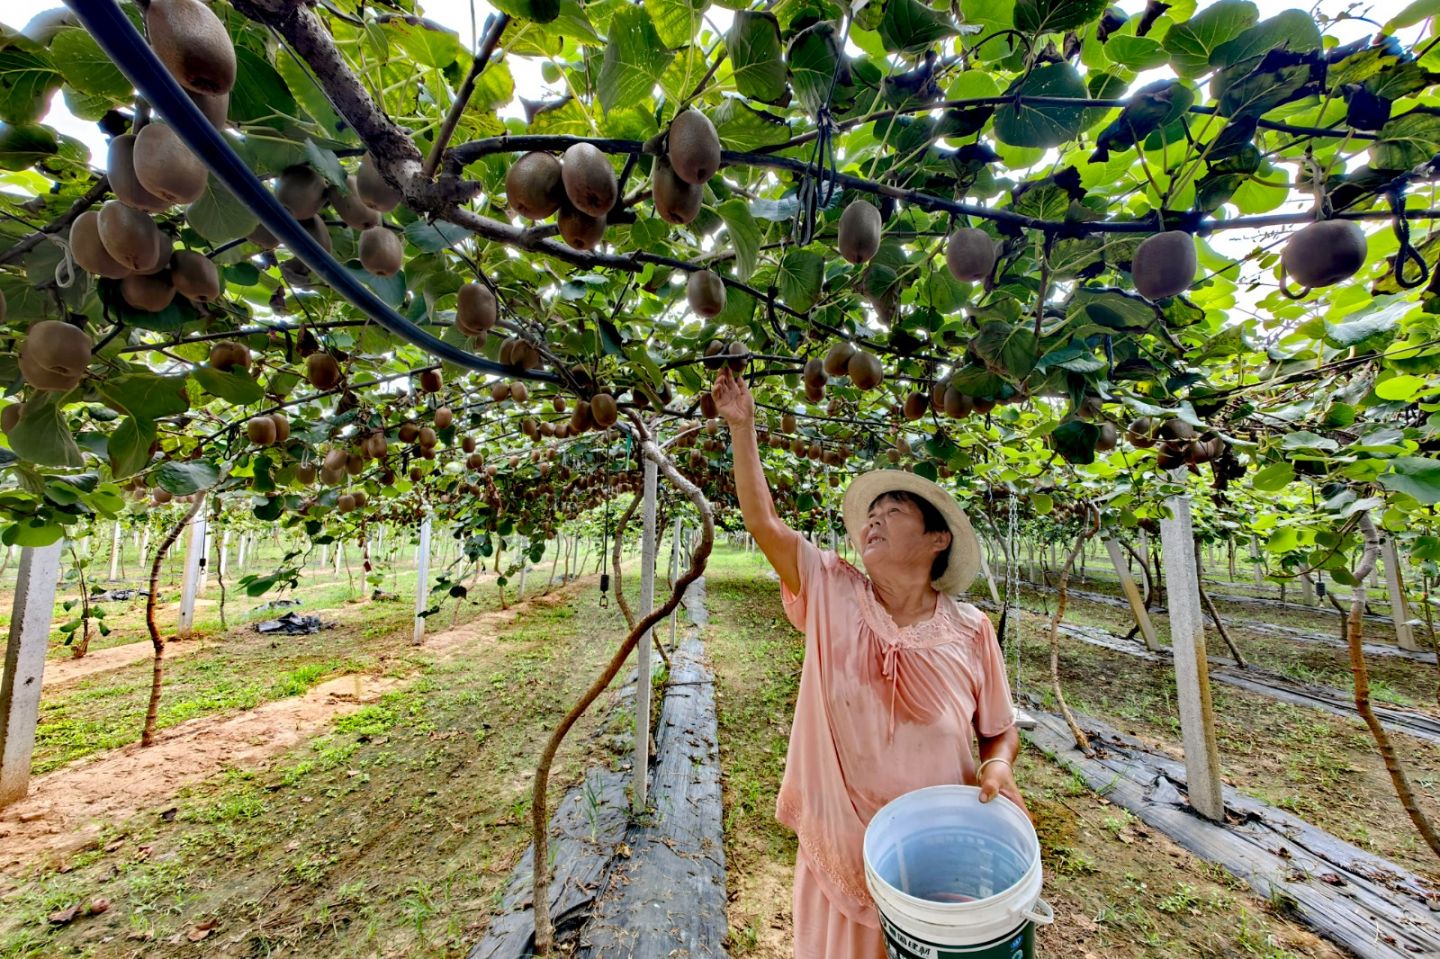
882,710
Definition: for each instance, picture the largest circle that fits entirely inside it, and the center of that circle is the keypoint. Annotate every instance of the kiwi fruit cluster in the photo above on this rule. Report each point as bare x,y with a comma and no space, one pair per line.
581,188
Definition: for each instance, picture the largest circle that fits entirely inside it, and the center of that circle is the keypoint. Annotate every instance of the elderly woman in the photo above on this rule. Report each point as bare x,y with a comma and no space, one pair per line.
898,677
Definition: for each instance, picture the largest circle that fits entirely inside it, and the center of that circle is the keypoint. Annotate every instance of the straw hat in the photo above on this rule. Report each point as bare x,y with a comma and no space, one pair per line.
964,546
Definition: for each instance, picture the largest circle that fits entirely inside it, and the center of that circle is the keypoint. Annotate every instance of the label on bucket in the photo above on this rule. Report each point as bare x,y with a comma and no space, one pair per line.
1019,943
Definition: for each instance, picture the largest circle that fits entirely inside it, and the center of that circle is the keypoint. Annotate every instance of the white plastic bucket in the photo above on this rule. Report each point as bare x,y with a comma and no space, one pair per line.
955,878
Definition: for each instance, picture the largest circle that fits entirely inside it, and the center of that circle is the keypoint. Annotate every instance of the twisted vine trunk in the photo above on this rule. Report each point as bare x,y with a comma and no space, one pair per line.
83,647
157,674
1087,531
1354,635
539,808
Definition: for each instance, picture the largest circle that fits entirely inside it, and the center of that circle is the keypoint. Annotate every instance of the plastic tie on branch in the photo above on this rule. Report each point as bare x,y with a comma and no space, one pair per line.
1407,252
65,269
124,45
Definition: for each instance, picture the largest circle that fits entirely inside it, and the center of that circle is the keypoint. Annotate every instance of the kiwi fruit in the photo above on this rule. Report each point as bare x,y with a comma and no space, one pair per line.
519,392
262,237
706,293
408,432
859,235
360,498
227,356
335,460
375,445
261,430
580,230
316,227
916,404
738,353
693,147
54,356
837,360
533,185
305,474
331,477
708,408
120,168
381,251
1164,265
1090,408
676,201
475,308
787,423
983,404
165,166
374,190
970,254
443,417
355,463
282,426
957,405
1107,439
1175,429
865,370
216,107
162,496
1172,455
89,252
1141,433
430,381
352,209
192,43
300,190
1324,253
580,419
813,375
128,235
589,180
148,292
603,410
322,370
195,276
714,355
499,391
345,502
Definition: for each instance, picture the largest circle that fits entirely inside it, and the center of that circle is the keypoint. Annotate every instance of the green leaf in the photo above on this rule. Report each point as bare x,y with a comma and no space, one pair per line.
1028,125
1293,30
1052,16
1007,348
1416,475
675,20
634,60
742,127
801,274
1282,541
42,436
1412,14
756,56
1403,388
1192,43
1366,332
1407,141
26,79
426,47
1075,441
183,477
814,55
23,145
235,387
744,236
909,26
129,446
433,237
1076,359
259,92
1274,477
218,217
86,67
35,532
145,395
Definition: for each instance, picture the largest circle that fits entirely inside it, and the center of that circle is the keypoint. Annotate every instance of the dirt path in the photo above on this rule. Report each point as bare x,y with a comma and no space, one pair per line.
66,810
60,672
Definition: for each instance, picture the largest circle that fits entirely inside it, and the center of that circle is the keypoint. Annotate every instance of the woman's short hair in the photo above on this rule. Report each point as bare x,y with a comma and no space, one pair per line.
934,523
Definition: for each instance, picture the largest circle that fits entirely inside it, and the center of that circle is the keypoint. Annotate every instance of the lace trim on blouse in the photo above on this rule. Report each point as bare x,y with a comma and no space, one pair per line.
943,627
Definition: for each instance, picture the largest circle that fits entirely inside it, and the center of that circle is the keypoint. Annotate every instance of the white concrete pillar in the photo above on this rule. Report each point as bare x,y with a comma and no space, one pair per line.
1132,593
1307,590
1258,557
204,560
422,579
1192,673
194,571
115,553
642,649
30,618
989,578
524,565
224,549
1399,605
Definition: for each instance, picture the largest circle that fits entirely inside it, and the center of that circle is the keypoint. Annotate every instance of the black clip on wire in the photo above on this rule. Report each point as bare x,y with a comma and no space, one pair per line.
1407,251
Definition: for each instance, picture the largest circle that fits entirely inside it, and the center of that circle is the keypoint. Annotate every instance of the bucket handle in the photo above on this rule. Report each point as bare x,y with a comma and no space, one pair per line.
1040,913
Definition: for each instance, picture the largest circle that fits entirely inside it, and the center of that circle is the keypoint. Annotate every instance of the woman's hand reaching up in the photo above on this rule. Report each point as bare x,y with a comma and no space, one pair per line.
733,400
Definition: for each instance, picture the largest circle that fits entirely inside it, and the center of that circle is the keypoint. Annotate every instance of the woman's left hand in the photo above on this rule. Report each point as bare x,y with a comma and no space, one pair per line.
998,779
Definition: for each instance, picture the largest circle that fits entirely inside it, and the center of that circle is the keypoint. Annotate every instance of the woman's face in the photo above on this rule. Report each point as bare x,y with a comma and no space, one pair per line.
895,537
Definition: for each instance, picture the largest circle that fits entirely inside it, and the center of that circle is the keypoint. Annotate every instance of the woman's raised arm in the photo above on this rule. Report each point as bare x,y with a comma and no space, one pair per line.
776,540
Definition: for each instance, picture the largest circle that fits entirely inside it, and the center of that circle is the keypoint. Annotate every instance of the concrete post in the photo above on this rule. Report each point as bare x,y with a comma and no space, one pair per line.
115,553
1307,590
204,560
422,579
674,573
1192,673
989,578
1255,556
30,618
194,571
224,549
1132,593
1399,605
524,564
642,649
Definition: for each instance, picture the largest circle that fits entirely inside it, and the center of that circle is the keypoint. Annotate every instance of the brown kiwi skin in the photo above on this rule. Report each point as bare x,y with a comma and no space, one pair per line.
300,190
865,370
54,355
352,209
705,292
589,180
837,360
128,235
580,230
216,108
375,192
149,292
165,165
1164,265
1324,253
475,309
323,371
195,276
970,254
676,201
693,147
123,183
381,252
89,252
192,43
261,430
603,410
533,185
228,356
859,234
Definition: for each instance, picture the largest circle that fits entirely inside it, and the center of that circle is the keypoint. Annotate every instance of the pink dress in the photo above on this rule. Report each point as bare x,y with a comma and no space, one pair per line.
882,710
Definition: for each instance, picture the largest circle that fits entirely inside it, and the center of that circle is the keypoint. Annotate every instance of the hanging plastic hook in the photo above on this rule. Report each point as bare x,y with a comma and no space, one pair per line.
1407,252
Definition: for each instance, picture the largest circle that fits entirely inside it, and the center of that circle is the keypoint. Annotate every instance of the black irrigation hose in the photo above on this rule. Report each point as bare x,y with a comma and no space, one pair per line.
115,34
